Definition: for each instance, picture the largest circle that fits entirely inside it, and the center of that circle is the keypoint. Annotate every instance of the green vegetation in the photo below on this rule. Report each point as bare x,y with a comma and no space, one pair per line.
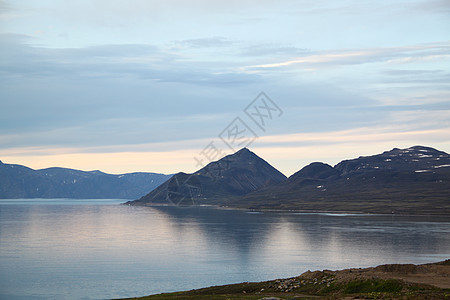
373,286
382,282
320,287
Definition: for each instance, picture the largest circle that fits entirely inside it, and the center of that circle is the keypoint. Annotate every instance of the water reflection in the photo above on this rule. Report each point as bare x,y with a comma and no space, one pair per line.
108,251
291,240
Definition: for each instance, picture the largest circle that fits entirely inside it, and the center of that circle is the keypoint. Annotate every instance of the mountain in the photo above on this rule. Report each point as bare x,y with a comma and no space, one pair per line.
413,159
232,176
18,181
413,180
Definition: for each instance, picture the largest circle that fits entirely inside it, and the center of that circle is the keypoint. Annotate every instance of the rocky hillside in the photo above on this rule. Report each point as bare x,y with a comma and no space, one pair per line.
413,180
232,176
394,281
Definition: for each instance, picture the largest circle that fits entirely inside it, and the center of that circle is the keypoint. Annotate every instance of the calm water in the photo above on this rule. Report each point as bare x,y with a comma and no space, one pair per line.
84,249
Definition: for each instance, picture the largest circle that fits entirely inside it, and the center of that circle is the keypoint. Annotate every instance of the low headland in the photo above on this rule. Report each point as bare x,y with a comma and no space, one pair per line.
393,281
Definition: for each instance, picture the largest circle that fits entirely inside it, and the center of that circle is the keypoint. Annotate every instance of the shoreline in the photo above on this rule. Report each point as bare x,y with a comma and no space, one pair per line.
391,281
300,211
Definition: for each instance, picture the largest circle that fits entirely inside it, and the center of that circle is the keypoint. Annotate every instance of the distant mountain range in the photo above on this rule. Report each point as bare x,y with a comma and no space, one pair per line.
415,180
18,181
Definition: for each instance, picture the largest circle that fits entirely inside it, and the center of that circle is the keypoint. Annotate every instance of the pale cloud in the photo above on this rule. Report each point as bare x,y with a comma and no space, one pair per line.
433,6
272,50
142,61
204,42
359,135
327,59
6,11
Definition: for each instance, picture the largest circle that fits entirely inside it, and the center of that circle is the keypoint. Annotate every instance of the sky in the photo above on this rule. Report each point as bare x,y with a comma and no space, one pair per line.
169,85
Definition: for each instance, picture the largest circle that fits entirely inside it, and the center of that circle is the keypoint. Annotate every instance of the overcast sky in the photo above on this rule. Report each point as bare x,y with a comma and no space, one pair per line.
139,85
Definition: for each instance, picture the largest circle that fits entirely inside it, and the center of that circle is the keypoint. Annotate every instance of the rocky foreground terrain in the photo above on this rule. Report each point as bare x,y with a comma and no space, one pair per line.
395,281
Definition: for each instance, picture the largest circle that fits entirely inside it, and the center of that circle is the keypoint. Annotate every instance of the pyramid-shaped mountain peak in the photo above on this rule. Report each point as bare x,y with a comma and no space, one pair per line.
233,175
242,150
241,159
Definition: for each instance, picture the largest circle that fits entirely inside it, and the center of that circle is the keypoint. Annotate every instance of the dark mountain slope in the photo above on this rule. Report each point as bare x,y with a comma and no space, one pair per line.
234,175
315,170
413,180
18,181
410,159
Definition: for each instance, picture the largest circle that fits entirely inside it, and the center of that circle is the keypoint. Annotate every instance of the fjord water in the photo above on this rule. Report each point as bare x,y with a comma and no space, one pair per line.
97,249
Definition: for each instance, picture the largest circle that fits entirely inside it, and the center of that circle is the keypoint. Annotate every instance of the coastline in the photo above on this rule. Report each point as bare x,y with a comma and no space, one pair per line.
300,211
392,281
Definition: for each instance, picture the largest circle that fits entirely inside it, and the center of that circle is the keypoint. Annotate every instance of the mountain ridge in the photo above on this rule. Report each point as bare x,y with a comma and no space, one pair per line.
407,181
414,180
18,181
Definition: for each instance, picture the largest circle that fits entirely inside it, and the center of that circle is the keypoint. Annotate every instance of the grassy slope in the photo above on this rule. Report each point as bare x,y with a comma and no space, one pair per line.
323,285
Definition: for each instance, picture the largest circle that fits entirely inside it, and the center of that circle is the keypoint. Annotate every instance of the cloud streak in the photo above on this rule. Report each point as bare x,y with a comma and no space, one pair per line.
329,59
142,61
